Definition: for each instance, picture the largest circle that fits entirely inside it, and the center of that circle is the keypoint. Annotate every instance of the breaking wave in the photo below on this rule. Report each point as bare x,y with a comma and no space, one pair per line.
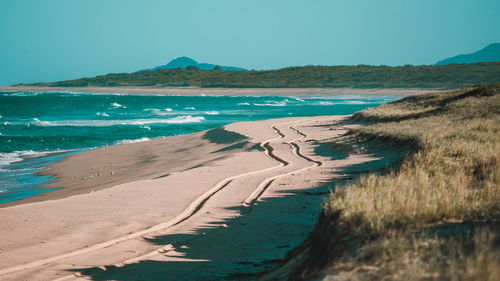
159,112
211,112
117,105
281,103
15,156
132,141
105,123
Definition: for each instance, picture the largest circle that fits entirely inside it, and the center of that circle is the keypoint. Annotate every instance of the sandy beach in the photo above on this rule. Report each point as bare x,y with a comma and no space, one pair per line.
227,201
400,92
242,141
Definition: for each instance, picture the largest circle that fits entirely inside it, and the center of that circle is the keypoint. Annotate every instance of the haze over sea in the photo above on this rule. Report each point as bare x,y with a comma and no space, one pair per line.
34,124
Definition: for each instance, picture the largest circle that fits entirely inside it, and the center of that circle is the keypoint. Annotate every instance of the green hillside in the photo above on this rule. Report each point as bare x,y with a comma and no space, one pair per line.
361,76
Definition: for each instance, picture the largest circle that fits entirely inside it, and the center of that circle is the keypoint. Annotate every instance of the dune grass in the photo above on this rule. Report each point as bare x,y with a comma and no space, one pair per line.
423,258
452,175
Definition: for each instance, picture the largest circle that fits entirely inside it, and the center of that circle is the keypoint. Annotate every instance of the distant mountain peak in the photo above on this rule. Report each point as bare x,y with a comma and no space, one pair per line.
184,62
486,54
180,62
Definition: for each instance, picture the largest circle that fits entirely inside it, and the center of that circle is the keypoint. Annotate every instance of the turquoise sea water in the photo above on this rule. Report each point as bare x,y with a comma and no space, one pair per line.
34,124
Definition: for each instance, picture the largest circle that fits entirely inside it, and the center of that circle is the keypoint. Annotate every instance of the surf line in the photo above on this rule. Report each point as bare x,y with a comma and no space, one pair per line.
192,209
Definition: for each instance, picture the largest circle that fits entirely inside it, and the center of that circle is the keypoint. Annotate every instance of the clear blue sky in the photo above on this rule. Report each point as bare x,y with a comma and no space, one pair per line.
55,40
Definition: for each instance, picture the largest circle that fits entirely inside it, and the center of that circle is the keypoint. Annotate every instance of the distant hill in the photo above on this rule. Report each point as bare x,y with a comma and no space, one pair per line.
487,54
359,76
185,62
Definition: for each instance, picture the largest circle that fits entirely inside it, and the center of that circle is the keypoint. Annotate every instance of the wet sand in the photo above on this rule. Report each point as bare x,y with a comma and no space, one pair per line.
109,166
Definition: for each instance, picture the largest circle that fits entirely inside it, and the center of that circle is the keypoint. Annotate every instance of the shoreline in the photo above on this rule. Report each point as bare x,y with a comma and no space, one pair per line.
82,171
71,184
84,175
301,92
273,160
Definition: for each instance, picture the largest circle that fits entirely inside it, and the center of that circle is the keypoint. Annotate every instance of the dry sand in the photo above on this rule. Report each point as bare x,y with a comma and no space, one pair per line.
228,91
202,206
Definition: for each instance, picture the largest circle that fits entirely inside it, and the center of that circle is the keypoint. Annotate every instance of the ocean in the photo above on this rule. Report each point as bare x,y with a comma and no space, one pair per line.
37,128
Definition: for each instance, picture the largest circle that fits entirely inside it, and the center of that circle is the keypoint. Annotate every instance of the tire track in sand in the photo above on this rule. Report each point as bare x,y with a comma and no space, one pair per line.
191,210
265,184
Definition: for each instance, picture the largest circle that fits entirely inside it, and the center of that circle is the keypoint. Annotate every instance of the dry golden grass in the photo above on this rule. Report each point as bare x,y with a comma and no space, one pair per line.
452,175
423,258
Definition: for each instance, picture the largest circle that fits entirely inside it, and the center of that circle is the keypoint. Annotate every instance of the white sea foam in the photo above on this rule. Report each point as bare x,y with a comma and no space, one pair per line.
159,112
281,103
22,94
41,123
176,120
1,116
243,103
117,105
343,102
102,114
190,108
104,123
356,102
11,157
336,97
326,103
75,93
132,141
297,99
211,112
146,127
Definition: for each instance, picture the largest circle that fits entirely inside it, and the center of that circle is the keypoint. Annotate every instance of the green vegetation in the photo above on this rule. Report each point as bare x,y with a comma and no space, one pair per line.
361,76
434,217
